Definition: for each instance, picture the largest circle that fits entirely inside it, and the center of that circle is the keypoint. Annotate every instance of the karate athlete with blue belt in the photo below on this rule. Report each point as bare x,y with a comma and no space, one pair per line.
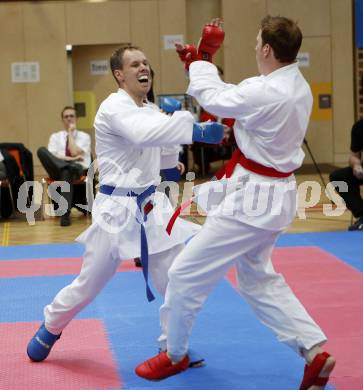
128,216
272,113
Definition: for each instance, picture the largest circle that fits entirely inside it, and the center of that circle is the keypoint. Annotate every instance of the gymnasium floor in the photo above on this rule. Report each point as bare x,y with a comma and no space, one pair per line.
321,261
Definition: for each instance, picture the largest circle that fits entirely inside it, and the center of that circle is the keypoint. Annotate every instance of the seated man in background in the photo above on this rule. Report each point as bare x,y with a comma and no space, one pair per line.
68,157
353,176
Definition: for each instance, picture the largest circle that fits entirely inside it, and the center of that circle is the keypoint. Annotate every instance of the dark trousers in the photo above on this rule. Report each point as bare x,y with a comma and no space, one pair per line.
61,170
352,197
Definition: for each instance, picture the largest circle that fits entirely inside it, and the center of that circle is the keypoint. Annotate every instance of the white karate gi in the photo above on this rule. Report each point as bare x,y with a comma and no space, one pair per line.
170,156
128,140
272,114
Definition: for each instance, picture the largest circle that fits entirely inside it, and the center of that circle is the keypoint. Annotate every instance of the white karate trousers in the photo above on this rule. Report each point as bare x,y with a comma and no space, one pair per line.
221,243
99,265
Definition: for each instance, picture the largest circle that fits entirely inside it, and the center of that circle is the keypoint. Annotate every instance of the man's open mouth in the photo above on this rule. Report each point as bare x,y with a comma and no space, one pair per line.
143,79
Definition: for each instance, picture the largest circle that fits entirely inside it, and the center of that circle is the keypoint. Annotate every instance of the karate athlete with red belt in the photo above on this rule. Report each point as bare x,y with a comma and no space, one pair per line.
128,215
272,114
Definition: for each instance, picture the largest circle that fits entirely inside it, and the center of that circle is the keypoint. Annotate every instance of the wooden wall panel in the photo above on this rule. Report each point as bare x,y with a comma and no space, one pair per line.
13,107
101,85
45,43
145,33
242,21
38,31
319,50
320,132
172,21
320,140
314,20
97,23
343,83
198,14
312,16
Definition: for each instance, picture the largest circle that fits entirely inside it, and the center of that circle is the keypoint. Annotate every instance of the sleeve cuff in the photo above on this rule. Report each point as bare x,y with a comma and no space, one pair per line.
186,122
198,69
205,65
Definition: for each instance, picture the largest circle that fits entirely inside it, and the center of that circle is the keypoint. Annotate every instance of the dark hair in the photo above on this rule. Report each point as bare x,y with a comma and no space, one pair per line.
283,35
117,57
68,108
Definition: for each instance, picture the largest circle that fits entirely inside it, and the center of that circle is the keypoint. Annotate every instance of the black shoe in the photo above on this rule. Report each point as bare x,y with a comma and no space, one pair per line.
357,225
137,262
65,219
83,211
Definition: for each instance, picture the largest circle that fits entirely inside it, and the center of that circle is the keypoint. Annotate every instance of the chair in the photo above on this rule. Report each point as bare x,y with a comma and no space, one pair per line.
83,180
219,152
5,183
13,150
16,154
46,181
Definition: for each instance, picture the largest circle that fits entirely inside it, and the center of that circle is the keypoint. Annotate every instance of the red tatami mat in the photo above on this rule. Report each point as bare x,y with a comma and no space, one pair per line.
50,267
332,292
82,361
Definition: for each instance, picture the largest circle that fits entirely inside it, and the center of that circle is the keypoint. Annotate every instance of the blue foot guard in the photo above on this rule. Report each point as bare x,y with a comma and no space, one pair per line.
40,345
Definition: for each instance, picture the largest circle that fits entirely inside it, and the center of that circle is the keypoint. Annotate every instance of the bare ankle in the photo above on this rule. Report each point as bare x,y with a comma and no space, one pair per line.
310,354
175,359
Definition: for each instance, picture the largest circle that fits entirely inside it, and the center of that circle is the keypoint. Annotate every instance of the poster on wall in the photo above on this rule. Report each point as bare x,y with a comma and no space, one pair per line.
322,101
303,60
25,72
170,40
85,104
99,67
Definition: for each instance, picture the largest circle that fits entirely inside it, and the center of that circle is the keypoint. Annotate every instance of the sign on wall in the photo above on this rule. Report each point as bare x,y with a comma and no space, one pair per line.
322,103
85,104
99,67
170,40
303,60
25,72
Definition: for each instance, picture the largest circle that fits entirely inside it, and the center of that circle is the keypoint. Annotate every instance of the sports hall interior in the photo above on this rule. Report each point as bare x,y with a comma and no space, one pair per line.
64,38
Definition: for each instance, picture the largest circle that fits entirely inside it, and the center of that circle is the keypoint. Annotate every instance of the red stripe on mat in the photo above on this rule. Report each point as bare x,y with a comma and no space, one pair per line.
82,361
50,267
332,292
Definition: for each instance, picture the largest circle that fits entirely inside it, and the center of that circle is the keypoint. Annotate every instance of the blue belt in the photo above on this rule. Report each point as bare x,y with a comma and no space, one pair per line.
140,198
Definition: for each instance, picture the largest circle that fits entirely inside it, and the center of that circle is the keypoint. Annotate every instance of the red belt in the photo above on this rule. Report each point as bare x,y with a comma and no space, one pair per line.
237,158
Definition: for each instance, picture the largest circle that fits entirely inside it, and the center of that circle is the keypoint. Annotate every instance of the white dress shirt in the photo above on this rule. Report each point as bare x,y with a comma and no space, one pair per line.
58,140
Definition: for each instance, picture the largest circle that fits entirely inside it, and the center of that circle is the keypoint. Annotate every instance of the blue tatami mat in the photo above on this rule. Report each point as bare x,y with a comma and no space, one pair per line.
240,352
42,251
347,246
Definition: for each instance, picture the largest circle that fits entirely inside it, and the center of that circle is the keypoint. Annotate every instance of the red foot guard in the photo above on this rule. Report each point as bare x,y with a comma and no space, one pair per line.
160,367
315,368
